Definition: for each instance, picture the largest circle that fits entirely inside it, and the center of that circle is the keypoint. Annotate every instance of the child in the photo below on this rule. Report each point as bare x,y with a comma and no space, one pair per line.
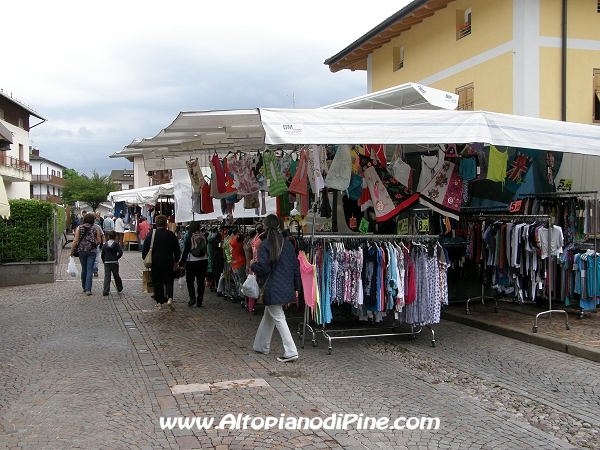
111,252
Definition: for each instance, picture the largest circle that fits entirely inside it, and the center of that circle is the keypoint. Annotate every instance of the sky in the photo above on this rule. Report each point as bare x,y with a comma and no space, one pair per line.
106,73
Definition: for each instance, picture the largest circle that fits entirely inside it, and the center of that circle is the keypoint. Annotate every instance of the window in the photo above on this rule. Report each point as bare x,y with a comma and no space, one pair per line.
463,23
21,154
2,114
398,58
53,172
596,95
598,9
20,123
465,97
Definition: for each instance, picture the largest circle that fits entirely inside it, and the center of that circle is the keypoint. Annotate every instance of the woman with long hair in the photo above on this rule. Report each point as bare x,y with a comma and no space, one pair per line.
275,266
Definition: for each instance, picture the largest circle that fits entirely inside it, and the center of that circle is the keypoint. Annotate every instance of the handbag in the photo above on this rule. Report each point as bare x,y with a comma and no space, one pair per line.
261,292
148,258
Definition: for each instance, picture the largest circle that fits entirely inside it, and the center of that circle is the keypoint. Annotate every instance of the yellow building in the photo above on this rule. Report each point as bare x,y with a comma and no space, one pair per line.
537,58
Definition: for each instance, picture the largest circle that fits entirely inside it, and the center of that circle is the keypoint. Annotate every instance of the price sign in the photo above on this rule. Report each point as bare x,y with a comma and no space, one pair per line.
352,222
364,226
402,227
564,184
423,225
515,206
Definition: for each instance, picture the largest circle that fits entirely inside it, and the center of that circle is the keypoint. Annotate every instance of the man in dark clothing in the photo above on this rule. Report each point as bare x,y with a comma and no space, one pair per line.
165,253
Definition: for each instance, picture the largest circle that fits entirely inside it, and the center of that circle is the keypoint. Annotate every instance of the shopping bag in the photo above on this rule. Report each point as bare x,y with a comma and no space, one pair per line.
147,285
250,287
72,268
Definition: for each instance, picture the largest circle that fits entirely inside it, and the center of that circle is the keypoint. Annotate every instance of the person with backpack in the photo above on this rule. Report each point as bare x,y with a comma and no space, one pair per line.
111,253
87,238
195,260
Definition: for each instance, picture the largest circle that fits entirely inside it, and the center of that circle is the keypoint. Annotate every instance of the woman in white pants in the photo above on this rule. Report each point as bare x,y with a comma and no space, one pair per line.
275,266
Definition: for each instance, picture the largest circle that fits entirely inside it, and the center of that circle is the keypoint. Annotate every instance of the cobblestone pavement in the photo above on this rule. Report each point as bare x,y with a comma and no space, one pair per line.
99,372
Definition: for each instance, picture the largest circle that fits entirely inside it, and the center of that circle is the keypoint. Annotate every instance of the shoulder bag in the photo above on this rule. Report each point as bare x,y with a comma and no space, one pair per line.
148,258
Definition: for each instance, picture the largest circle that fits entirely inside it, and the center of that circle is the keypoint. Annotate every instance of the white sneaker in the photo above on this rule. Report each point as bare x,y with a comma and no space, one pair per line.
158,306
171,304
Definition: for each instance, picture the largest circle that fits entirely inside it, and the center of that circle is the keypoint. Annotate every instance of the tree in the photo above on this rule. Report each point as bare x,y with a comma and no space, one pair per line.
92,191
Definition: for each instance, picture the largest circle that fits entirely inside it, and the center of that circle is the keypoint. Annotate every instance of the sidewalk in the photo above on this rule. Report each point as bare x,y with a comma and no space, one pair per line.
517,322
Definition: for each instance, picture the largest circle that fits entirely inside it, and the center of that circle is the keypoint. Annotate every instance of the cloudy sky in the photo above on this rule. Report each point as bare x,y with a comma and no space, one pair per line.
105,73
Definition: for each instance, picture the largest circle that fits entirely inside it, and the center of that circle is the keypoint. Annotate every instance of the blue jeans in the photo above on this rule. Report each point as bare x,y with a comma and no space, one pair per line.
87,269
97,260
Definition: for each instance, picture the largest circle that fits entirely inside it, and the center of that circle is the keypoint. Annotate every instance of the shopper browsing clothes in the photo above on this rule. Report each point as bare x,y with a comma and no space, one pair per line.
276,266
165,252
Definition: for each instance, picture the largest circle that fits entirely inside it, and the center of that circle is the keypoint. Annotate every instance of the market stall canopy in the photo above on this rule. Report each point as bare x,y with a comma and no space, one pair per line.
196,133
405,96
142,196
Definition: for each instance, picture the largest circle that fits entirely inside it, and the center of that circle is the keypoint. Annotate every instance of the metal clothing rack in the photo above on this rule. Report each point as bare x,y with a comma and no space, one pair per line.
504,217
574,194
548,218
327,334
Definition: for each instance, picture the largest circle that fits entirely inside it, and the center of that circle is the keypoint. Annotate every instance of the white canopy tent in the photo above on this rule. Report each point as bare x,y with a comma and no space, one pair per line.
197,133
142,196
405,96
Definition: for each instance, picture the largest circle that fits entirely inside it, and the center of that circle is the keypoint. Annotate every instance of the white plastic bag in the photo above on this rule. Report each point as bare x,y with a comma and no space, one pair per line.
250,286
72,268
181,282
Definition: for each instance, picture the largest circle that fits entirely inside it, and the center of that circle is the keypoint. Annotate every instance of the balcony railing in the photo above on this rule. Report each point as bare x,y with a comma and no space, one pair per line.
464,31
48,198
52,180
15,163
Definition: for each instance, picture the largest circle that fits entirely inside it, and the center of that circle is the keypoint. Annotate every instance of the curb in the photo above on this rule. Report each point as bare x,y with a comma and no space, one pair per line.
571,348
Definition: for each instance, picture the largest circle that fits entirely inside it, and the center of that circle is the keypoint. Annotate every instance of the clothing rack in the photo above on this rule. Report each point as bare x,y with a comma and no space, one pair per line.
532,217
573,194
504,217
302,327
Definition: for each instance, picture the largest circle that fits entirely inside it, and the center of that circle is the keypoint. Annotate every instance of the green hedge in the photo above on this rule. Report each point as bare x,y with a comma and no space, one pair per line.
26,235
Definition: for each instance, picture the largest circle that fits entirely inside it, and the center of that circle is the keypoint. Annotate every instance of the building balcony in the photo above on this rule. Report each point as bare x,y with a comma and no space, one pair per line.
52,180
48,198
13,169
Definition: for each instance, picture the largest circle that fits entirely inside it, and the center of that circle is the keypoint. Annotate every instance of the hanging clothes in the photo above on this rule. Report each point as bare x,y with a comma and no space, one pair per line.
429,166
388,194
275,181
207,205
340,170
195,173
444,192
245,180
299,184
497,165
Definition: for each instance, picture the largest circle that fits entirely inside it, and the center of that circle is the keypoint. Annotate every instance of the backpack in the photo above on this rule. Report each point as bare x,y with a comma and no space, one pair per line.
198,245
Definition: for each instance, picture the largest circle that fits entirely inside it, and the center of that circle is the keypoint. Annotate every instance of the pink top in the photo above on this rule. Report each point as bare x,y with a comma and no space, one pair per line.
307,275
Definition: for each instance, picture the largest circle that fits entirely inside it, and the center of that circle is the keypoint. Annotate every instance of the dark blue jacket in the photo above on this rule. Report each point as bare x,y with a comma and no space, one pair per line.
284,276
166,251
111,252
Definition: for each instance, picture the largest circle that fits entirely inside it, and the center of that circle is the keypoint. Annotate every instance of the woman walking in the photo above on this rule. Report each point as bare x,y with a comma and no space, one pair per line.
87,238
276,266
195,260
165,252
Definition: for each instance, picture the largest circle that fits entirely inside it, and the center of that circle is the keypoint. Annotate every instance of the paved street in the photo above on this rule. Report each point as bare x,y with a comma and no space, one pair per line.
99,372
